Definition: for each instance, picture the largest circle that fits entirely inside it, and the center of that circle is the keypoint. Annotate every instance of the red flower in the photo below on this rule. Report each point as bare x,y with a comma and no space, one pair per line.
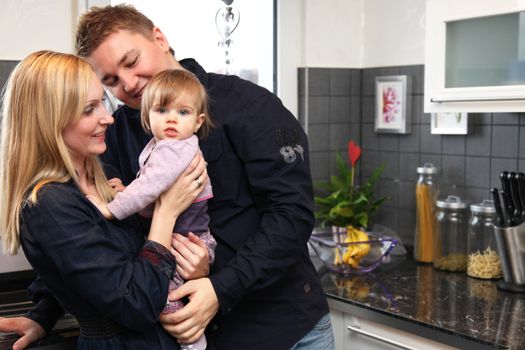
354,153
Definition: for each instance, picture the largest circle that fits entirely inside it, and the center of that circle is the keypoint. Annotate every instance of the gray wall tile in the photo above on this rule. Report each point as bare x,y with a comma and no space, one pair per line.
340,109
477,172
479,140
505,141
429,143
521,151
6,67
318,109
319,137
320,165
453,170
407,195
370,139
453,144
408,164
356,79
367,108
340,82
497,166
388,142
318,81
339,136
481,118
505,119
391,164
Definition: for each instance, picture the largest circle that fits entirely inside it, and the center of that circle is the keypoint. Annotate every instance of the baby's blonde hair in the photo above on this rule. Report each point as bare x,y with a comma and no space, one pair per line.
166,87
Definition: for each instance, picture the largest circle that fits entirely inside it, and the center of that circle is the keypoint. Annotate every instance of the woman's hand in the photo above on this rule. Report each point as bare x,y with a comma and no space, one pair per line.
187,187
26,328
176,199
192,256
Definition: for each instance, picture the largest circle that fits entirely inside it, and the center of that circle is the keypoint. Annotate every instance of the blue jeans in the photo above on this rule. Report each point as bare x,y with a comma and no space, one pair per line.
320,337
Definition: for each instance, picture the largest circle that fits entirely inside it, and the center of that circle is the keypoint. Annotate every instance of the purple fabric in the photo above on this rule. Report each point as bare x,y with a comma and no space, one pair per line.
161,163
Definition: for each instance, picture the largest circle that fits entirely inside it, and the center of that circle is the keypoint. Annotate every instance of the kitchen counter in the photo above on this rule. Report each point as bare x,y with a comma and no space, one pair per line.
14,302
448,307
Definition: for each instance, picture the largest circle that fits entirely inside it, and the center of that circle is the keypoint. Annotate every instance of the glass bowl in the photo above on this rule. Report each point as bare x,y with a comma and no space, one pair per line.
328,246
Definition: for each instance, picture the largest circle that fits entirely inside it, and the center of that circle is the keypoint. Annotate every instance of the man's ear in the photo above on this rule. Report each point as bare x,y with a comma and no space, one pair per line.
160,39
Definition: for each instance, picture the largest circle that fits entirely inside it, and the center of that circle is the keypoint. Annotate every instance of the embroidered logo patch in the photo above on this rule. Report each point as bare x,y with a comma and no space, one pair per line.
290,149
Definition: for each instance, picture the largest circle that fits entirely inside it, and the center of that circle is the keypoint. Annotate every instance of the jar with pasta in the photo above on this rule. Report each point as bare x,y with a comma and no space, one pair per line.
451,243
427,192
483,260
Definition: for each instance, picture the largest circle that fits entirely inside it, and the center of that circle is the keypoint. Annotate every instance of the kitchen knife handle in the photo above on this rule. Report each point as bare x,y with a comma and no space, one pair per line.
508,214
514,193
505,188
500,219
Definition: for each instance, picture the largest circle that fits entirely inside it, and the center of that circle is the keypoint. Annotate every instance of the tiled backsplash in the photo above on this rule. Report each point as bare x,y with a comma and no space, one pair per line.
5,69
337,105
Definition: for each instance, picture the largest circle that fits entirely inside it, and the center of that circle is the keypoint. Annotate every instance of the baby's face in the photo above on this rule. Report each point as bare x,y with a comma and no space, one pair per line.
178,120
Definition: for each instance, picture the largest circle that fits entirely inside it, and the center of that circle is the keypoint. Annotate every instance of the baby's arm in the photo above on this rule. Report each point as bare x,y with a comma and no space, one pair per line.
101,206
163,167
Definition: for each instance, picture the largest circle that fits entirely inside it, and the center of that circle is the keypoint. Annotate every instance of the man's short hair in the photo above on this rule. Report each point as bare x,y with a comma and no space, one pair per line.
98,23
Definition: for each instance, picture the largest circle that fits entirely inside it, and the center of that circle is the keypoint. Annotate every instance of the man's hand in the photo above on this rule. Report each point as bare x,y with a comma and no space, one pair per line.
192,256
27,329
189,323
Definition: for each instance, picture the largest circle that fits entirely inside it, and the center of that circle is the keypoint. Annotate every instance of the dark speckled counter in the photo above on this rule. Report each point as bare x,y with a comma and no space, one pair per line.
448,307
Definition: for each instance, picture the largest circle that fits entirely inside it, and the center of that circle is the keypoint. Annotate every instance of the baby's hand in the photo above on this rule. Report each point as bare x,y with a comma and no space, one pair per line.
116,184
102,207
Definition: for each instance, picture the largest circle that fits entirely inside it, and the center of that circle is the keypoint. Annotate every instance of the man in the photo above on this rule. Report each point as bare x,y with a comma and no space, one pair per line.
263,291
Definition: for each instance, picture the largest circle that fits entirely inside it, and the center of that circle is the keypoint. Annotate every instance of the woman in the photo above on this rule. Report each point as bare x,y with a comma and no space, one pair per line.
103,272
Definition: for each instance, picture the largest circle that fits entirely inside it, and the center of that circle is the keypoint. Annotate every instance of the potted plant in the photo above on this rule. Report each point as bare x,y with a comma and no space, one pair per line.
348,205
345,203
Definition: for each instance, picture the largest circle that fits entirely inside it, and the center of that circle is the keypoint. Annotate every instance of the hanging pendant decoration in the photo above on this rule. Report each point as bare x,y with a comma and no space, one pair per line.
227,20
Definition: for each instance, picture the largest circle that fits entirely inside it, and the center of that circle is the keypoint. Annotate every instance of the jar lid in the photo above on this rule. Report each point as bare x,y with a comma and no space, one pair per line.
486,207
452,202
428,168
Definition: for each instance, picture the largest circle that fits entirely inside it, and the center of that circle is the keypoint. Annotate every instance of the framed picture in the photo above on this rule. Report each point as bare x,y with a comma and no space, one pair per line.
392,104
449,123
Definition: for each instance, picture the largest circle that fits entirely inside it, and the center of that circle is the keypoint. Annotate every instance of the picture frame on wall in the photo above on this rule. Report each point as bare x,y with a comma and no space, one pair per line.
392,104
449,123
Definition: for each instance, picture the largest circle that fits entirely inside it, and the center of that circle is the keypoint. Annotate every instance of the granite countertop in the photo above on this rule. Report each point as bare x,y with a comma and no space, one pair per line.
449,303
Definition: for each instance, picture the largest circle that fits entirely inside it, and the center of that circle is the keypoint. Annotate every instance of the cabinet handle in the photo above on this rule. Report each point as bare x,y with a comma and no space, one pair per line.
380,338
472,99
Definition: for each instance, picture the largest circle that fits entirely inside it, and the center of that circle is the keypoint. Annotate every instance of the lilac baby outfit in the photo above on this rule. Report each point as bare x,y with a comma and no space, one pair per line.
161,163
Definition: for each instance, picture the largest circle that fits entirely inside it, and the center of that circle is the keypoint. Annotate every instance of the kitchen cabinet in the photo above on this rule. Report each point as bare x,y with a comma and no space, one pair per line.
475,56
353,333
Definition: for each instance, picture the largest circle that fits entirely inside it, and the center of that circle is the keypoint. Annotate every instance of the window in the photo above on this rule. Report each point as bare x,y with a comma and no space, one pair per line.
192,28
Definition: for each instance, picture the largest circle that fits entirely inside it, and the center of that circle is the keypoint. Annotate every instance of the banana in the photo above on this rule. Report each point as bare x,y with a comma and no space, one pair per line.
355,252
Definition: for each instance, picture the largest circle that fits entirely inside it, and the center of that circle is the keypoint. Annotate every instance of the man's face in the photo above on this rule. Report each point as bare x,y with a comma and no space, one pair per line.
126,61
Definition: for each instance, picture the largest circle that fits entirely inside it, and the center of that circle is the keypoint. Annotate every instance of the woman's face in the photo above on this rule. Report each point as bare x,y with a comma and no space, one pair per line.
85,137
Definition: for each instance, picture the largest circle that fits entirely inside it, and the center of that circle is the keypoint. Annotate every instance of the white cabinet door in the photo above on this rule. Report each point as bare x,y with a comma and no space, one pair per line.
356,333
468,65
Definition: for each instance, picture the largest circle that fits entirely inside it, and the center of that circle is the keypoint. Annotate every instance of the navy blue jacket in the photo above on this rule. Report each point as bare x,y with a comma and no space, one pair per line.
99,269
261,215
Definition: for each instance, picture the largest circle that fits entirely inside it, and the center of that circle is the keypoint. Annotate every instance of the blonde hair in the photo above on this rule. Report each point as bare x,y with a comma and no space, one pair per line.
168,86
44,94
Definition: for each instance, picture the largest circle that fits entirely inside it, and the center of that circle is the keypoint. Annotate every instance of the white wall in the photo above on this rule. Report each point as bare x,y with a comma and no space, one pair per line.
30,25
346,34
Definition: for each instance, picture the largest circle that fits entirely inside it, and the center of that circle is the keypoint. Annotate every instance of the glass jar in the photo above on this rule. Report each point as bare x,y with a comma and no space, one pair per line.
427,192
450,252
483,260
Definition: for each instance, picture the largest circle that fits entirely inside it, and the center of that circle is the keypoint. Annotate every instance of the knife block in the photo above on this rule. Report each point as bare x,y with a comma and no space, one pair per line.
510,243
